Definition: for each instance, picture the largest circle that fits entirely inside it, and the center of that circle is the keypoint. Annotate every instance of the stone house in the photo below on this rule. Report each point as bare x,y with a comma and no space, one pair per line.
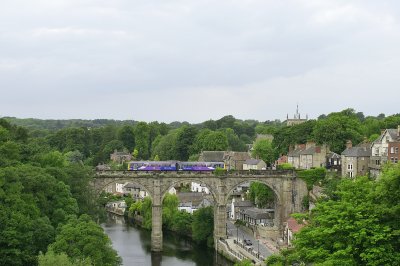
238,206
294,155
254,164
333,162
394,147
256,216
137,192
355,160
313,156
380,150
120,156
232,159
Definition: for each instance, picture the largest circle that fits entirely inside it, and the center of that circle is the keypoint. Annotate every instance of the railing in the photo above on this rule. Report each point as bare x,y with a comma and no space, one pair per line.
238,255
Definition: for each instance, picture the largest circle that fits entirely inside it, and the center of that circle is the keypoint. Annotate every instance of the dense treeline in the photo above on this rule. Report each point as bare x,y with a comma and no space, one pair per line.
43,191
93,143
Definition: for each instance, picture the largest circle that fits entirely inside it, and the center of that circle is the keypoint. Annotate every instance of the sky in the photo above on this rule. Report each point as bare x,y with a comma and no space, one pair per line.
194,60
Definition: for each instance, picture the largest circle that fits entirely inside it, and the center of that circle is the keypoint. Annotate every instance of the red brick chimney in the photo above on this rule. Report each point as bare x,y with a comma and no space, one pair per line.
349,144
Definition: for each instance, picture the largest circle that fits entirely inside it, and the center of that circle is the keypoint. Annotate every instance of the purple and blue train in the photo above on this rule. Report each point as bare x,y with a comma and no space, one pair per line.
174,166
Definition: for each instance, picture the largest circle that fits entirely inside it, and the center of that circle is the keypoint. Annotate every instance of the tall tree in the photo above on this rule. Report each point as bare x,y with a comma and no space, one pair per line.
142,138
185,139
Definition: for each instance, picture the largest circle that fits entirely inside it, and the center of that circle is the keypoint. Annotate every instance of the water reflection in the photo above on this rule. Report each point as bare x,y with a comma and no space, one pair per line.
134,246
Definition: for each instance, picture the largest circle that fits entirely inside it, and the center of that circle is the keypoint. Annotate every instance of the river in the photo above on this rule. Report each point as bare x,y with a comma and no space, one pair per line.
133,246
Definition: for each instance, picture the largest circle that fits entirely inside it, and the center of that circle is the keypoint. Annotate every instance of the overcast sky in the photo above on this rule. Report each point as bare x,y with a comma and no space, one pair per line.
196,60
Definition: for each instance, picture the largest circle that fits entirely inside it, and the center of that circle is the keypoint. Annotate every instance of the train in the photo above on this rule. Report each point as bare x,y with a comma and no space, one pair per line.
174,166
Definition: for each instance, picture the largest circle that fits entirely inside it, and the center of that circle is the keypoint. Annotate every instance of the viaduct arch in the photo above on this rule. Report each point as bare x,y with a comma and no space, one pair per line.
289,192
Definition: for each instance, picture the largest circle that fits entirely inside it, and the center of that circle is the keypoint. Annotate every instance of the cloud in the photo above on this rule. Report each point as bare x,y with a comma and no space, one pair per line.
195,60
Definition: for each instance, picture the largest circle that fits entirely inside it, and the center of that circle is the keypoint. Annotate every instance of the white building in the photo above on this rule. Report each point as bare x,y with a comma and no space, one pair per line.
196,187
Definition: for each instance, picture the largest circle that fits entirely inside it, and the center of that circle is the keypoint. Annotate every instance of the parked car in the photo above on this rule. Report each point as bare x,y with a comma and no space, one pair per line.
247,242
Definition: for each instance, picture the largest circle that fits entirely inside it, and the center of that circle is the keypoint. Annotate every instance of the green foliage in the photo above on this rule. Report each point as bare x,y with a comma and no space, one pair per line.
185,139
285,166
337,128
203,226
312,176
261,195
126,135
82,238
357,227
142,139
62,259
244,263
275,260
147,213
220,171
263,149
165,146
170,209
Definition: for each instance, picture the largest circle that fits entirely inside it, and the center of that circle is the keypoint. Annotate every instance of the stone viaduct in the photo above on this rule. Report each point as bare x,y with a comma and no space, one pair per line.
289,192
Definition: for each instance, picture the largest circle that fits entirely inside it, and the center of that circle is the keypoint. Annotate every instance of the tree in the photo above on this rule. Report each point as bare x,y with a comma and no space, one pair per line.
81,238
142,138
215,141
357,227
126,135
337,128
184,141
166,147
170,210
62,259
203,226
263,149
261,195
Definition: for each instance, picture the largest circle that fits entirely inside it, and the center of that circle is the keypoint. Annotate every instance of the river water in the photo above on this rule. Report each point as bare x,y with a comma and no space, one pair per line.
133,245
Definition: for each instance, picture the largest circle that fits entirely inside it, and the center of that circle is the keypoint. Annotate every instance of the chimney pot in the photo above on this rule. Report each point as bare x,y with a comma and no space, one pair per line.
349,144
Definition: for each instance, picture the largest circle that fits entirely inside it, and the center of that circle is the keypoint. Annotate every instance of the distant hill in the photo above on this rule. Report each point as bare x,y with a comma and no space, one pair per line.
53,125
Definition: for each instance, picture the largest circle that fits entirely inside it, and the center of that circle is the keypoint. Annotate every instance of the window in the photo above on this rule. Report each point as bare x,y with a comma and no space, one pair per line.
391,149
392,159
350,167
376,151
396,150
351,174
396,160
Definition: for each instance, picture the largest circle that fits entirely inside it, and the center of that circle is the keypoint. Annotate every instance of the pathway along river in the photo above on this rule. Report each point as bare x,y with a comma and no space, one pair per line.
133,245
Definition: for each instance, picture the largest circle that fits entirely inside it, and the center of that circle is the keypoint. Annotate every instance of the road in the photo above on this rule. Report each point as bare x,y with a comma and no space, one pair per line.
234,232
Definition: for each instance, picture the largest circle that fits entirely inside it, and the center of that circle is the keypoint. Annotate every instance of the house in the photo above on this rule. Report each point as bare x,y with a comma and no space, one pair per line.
191,207
333,162
256,216
291,227
355,160
254,164
120,156
394,147
294,155
102,167
281,160
197,187
380,150
115,188
313,156
232,159
136,191
238,206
